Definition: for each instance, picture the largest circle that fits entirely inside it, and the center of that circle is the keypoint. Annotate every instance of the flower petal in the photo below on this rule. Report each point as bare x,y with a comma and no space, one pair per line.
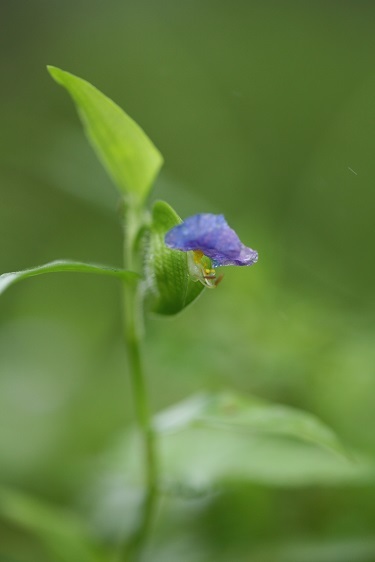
212,235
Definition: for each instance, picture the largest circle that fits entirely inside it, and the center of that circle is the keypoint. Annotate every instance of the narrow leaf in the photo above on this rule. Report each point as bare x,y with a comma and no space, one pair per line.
129,156
7,279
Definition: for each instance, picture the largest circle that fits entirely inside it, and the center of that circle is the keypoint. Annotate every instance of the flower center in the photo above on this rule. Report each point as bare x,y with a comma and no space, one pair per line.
200,271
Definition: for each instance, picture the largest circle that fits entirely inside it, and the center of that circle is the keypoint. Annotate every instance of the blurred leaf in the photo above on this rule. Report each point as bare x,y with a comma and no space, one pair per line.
211,439
195,463
248,414
198,458
63,535
126,152
169,283
7,279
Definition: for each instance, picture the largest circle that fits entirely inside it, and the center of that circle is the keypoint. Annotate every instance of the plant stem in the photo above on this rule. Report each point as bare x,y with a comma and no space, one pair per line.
133,336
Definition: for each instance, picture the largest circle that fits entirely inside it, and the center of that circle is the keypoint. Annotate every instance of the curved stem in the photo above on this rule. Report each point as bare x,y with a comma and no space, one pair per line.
133,336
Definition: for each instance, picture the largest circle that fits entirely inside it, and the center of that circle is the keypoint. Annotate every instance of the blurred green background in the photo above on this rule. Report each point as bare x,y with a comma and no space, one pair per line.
264,111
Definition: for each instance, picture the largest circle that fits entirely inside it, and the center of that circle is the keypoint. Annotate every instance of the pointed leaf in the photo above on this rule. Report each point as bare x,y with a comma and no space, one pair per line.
193,461
7,279
274,447
169,283
124,149
213,437
248,414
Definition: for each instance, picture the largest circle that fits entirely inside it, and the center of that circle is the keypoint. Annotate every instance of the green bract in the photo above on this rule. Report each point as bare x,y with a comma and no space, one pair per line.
127,153
169,285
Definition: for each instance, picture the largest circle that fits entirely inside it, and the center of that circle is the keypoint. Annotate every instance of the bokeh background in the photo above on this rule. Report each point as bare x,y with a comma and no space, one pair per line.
264,111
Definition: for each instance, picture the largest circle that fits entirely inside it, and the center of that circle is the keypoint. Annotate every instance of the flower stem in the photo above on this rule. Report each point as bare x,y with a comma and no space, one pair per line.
133,336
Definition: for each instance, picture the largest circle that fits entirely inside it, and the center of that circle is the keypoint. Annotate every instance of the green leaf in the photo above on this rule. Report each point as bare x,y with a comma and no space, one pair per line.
169,284
198,459
63,535
129,156
7,279
248,414
196,462
255,441
211,438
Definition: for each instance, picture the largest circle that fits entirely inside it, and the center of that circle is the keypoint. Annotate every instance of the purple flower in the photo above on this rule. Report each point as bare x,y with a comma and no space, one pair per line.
210,235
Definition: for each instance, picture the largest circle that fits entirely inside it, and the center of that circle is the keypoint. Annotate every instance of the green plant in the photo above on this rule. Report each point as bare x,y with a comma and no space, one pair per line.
161,278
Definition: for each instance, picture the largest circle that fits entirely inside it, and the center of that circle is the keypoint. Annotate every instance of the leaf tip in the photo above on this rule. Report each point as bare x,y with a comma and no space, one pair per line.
53,70
56,73
126,152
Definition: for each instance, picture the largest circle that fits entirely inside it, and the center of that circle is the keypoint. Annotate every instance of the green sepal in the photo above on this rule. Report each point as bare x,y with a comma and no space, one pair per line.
169,284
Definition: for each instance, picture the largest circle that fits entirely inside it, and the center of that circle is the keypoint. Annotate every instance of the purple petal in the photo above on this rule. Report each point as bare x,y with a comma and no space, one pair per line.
211,235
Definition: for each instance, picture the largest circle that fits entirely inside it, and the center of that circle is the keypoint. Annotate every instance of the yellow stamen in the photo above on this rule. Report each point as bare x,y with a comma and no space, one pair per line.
198,255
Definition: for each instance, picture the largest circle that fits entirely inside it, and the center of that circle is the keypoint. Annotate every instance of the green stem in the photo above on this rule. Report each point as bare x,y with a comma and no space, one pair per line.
133,336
